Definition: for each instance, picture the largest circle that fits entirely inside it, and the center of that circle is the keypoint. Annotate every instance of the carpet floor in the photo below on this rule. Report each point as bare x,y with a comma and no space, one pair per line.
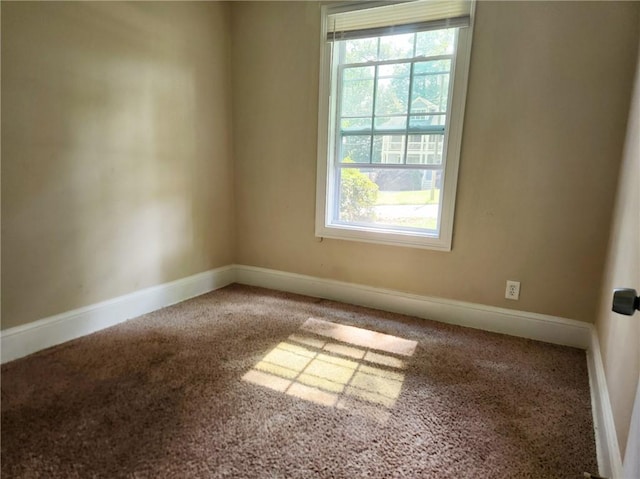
250,383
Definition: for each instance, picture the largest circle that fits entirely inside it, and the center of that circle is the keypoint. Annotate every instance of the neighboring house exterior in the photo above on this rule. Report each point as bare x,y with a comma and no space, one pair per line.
424,149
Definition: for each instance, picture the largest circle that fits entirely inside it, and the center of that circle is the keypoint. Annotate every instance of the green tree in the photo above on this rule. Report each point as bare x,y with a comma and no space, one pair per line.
358,195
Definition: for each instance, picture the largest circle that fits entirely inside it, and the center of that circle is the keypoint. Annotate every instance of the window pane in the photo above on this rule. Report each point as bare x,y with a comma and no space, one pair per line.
436,66
357,196
435,42
429,93
408,198
395,47
425,149
428,122
402,70
390,197
357,91
355,124
362,50
392,96
391,123
359,73
355,148
388,149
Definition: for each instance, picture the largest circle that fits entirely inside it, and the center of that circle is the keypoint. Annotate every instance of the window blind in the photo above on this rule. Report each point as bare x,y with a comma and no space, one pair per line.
379,19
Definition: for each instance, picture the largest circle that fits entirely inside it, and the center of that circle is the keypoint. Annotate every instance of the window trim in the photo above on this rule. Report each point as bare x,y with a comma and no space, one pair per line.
325,188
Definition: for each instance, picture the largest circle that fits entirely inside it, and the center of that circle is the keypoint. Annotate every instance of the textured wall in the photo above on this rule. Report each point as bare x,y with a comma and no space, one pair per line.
620,335
546,111
116,150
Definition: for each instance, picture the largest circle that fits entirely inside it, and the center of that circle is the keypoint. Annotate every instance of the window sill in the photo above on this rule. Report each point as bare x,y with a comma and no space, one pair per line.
392,238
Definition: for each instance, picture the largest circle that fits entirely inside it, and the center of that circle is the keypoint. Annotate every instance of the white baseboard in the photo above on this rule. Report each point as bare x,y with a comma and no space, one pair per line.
541,327
609,458
29,338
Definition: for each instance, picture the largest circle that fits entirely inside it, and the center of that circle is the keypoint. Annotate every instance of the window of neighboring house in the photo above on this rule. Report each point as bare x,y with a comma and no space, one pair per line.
393,87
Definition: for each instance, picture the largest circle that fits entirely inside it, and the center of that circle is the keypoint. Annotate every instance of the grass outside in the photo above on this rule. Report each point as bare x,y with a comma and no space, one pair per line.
426,223
417,197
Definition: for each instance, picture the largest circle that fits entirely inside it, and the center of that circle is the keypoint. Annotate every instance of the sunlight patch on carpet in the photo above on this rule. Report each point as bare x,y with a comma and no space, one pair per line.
344,373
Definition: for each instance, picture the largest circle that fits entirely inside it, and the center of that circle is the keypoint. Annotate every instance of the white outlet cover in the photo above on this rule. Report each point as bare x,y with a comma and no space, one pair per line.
513,290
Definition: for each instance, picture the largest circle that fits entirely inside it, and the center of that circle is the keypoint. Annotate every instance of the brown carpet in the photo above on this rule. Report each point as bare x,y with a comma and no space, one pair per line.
246,382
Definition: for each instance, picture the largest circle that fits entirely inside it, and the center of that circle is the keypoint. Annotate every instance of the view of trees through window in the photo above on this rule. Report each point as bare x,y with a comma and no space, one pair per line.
392,109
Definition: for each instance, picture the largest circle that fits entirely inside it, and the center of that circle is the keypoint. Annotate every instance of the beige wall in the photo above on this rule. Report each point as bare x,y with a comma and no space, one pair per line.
116,150
620,335
544,127
118,161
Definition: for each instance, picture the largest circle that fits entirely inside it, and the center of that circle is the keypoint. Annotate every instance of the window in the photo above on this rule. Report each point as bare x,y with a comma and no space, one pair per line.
392,92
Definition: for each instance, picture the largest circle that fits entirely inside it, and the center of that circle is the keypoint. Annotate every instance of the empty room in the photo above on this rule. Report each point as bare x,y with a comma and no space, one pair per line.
256,239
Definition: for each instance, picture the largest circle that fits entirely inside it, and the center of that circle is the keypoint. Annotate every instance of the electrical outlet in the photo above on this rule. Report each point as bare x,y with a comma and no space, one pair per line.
513,290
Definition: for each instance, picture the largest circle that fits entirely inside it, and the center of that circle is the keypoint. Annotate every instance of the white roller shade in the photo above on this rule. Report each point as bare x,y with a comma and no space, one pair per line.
383,19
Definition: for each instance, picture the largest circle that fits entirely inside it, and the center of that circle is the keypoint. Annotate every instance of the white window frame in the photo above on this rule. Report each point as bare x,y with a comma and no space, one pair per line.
453,139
